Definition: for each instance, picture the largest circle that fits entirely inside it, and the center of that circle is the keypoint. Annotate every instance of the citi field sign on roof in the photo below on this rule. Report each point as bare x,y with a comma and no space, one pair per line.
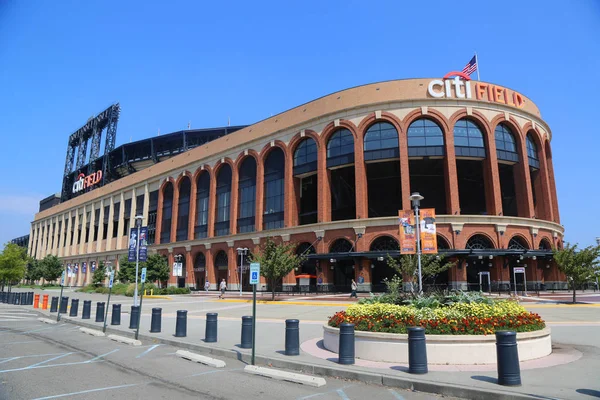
459,86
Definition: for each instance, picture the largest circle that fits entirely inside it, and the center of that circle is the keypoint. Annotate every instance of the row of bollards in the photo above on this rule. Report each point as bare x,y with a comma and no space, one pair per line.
17,298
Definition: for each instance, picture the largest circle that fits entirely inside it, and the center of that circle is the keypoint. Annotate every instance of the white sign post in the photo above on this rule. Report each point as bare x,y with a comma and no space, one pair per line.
254,280
143,279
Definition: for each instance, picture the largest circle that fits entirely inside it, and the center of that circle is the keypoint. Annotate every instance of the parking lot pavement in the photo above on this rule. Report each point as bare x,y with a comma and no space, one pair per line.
40,361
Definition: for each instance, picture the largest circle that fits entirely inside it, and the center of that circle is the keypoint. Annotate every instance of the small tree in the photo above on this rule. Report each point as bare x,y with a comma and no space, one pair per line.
126,271
34,270
408,265
276,261
158,268
52,268
13,262
99,274
579,266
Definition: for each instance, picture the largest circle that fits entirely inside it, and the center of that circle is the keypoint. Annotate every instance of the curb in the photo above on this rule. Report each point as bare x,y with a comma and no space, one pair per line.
285,376
211,362
445,389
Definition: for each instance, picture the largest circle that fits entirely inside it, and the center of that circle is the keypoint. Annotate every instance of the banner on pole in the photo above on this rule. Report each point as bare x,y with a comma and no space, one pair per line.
143,278
84,267
143,240
408,237
177,269
428,231
132,244
93,266
111,279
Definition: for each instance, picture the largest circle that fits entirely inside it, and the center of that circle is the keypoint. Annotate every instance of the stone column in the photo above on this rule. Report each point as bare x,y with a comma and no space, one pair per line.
172,279
452,198
493,193
69,228
77,238
146,206
100,227
111,216
189,267
545,204
289,194
121,221
323,175
133,211
360,180
159,213
63,232
192,215
260,188
210,268
83,231
404,169
31,239
523,180
92,229
233,207
175,212
212,204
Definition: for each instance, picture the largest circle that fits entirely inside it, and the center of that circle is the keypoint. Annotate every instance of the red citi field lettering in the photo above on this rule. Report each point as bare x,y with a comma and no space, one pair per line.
84,182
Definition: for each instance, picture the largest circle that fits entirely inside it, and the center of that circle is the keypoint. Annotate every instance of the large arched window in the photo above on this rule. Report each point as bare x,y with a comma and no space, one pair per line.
381,142
517,243
223,200
183,210
479,242
506,148
247,195
305,157
425,138
202,196
200,263
309,265
274,189
442,243
468,139
545,244
384,243
221,259
341,246
532,152
340,148
167,213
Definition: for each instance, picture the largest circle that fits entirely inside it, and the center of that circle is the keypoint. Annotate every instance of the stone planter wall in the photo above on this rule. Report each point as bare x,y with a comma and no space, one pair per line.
441,349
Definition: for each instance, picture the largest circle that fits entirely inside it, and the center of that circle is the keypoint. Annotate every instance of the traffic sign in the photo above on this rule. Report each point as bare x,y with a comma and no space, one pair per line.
143,274
62,279
254,273
112,278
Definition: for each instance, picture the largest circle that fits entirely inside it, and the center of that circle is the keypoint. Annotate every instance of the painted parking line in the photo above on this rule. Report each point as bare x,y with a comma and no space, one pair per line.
324,393
342,394
101,356
7,359
48,366
148,351
396,394
86,391
27,341
51,359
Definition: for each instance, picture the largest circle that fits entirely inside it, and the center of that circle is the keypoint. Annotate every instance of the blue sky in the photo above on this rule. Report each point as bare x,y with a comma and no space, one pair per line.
170,63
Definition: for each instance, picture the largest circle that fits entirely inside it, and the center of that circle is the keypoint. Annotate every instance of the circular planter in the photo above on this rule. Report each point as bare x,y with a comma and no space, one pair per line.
441,349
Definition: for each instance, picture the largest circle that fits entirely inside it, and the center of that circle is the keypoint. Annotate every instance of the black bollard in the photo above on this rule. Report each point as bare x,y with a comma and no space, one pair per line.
417,350
87,309
181,324
134,317
74,308
64,303
2,297
100,311
346,344
31,295
115,318
54,304
210,334
20,298
292,337
155,324
507,354
246,342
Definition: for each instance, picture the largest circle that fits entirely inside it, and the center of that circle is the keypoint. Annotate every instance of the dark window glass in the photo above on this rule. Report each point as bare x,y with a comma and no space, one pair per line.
165,233
183,211
202,196
116,210
340,143
506,148
274,190
425,132
308,200
223,201
306,152
247,195
532,152
381,135
467,134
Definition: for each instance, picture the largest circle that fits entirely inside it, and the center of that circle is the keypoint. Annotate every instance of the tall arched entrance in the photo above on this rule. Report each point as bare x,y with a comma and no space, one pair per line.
380,270
343,266
221,267
478,266
200,271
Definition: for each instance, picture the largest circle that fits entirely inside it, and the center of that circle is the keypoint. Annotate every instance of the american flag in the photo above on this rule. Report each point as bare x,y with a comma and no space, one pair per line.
471,66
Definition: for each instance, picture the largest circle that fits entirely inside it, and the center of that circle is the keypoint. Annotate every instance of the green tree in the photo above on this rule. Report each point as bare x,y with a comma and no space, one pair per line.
99,274
13,263
408,266
34,270
126,271
276,261
579,266
52,268
157,269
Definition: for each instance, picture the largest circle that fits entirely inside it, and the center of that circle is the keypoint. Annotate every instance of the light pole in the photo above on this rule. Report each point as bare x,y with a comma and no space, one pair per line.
138,225
416,201
597,272
242,252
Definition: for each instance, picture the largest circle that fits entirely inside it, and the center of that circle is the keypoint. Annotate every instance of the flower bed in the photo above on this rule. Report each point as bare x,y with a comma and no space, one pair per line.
453,319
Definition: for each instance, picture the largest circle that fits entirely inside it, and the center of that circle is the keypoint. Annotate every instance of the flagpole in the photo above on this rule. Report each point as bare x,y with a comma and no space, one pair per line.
477,62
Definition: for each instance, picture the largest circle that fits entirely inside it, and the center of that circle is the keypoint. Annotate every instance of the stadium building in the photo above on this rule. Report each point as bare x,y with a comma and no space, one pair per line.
331,176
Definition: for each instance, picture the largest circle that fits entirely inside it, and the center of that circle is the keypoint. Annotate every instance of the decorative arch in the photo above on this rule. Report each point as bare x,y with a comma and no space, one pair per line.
297,138
180,178
219,164
476,140
242,157
267,148
511,122
475,115
442,242
330,128
371,119
274,166
479,241
545,244
341,245
199,262
247,170
518,242
201,170
221,259
223,198
538,136
384,243
381,141
432,114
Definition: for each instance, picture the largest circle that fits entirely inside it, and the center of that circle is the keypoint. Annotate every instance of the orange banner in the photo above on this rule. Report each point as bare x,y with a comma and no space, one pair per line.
428,231
408,235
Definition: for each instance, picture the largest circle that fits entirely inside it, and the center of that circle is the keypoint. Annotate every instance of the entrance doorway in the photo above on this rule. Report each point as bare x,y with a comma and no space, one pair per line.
518,280
484,282
343,274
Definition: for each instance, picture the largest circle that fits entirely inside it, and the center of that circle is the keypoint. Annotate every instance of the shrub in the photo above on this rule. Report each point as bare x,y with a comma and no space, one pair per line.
457,318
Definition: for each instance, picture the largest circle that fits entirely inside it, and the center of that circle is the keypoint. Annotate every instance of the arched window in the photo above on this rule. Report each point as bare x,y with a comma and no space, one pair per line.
183,210
468,139
340,148
341,246
221,259
167,213
517,243
545,245
223,200
425,138
506,148
309,265
274,189
202,196
384,243
381,142
247,195
305,157
479,242
532,152
442,243
200,263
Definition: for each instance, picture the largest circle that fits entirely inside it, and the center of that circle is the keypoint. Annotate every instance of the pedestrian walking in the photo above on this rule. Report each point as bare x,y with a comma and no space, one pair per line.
354,286
223,287
206,285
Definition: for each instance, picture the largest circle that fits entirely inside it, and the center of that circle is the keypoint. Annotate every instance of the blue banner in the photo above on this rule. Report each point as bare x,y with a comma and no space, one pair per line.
93,266
84,267
143,240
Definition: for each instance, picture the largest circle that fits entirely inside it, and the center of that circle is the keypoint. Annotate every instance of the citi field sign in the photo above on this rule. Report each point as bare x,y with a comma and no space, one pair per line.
458,85
84,182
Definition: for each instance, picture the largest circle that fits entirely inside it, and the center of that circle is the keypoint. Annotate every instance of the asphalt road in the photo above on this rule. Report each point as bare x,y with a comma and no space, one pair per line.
39,361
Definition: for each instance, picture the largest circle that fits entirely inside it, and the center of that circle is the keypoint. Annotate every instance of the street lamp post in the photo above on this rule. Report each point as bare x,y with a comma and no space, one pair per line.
597,272
138,225
416,201
242,252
